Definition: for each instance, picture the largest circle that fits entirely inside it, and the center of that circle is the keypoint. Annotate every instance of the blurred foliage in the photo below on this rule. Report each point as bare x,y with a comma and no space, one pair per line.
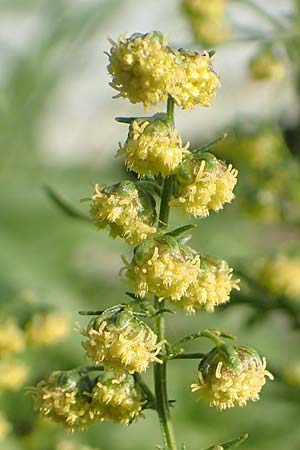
67,263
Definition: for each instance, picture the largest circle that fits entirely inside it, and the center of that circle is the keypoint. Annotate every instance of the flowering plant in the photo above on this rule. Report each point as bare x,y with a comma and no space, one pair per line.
125,340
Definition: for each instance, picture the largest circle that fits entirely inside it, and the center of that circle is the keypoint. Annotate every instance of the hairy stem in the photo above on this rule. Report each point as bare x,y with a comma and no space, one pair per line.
160,370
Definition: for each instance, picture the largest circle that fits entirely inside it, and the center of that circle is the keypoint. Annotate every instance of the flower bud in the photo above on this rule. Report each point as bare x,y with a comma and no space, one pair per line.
265,65
120,340
204,183
127,211
142,68
153,147
207,20
164,268
46,328
213,287
5,427
65,398
116,398
13,374
11,337
230,376
196,81
280,275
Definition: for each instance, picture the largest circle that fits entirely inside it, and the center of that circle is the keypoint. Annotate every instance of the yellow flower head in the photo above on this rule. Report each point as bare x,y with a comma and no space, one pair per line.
116,398
11,337
196,81
265,65
280,275
164,268
5,427
213,287
120,340
13,374
230,376
258,148
204,183
65,399
142,68
153,147
46,328
207,20
128,212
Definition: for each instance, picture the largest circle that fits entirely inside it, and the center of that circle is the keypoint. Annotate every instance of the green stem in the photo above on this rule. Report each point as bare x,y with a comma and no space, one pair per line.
262,13
160,370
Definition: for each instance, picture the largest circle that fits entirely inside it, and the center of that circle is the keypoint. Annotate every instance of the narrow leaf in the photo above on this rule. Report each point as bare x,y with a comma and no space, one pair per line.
180,230
209,145
64,206
230,444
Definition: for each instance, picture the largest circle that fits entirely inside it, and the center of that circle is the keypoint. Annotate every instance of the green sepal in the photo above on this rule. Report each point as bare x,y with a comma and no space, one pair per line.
230,444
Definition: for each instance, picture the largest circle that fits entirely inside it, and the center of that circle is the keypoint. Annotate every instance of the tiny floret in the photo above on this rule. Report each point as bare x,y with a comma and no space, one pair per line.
46,328
204,183
117,398
153,147
65,399
196,81
122,341
164,268
231,376
11,337
213,287
142,68
128,212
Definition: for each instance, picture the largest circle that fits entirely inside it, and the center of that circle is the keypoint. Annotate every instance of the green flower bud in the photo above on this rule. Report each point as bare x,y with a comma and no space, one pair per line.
153,146
117,398
230,376
120,340
128,211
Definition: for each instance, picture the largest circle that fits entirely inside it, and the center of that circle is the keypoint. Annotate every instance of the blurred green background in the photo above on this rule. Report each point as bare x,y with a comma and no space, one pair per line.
57,129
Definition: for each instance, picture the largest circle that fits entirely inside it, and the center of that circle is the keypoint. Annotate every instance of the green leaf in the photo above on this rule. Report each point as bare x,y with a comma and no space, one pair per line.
64,206
230,444
209,145
180,230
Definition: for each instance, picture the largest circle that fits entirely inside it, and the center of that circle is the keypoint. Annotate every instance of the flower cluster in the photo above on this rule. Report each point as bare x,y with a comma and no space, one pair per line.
230,376
204,183
145,70
280,275
207,20
126,210
46,328
117,399
153,147
63,399
121,341
266,65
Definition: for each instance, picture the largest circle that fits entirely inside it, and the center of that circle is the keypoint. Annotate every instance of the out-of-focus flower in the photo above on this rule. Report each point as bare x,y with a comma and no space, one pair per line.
280,275
11,337
265,65
213,287
121,341
164,268
5,427
204,183
142,68
13,374
116,398
230,376
65,399
127,211
196,81
71,445
153,146
46,328
291,374
207,20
